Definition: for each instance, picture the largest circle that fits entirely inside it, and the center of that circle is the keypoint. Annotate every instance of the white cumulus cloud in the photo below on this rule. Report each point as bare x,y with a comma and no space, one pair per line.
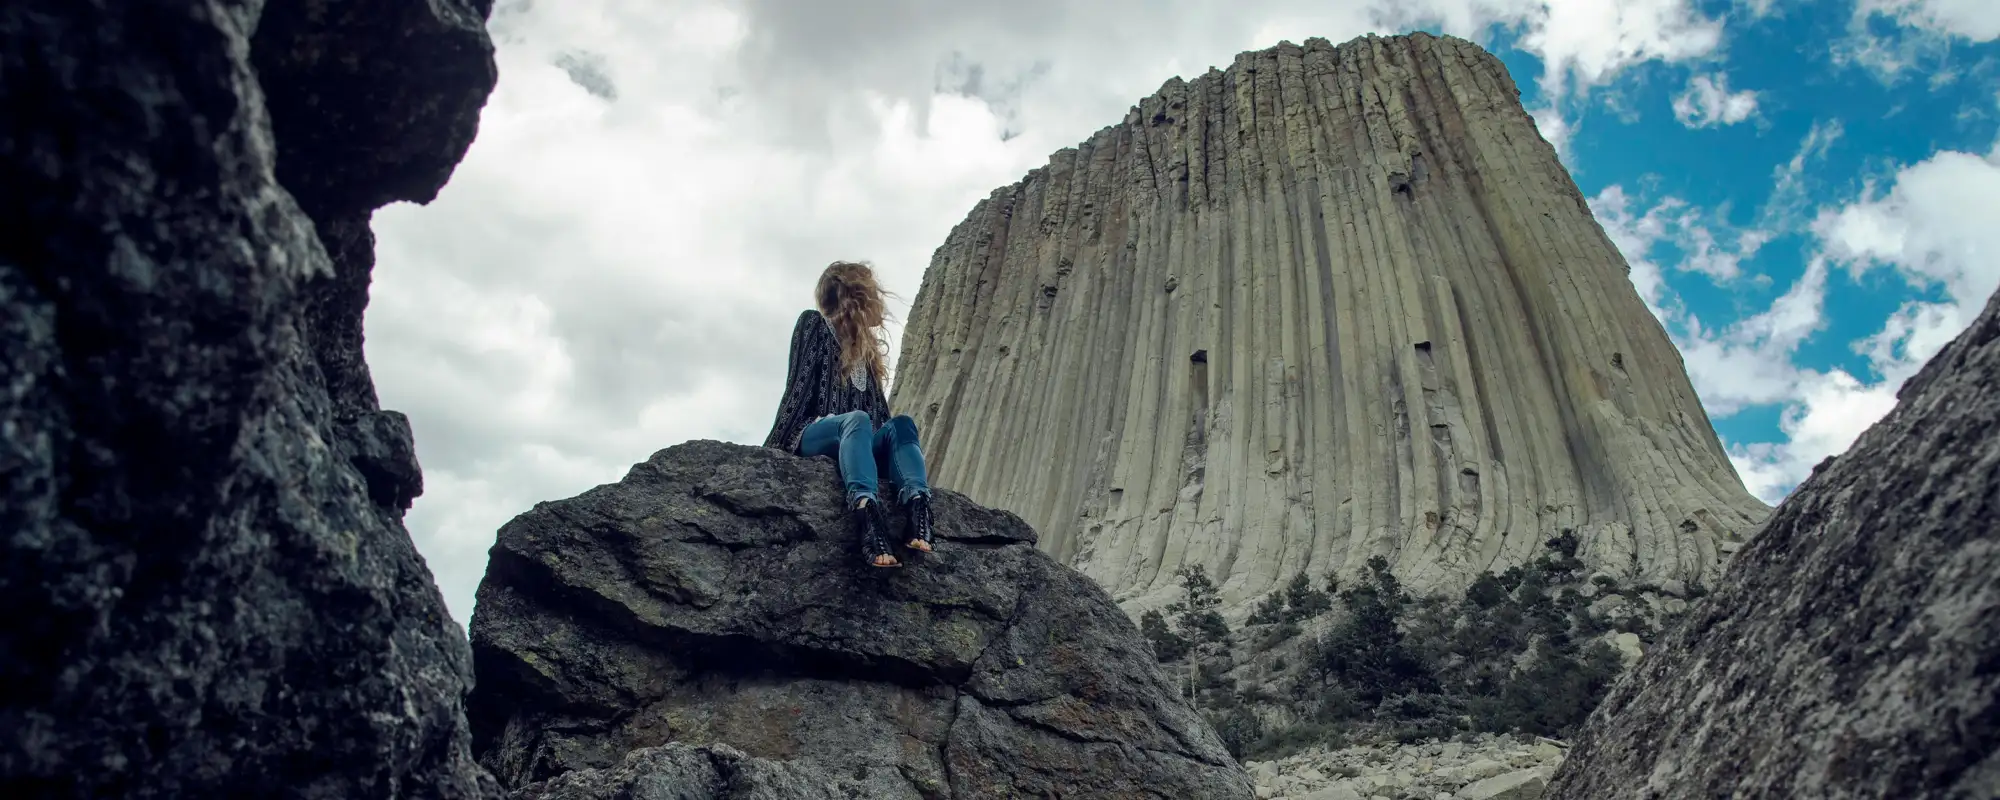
1827,412
1932,231
1978,20
1707,243
1582,44
1926,232
1919,39
1707,102
1935,229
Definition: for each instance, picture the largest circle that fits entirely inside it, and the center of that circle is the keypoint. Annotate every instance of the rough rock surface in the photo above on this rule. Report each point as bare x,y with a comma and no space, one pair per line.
1853,649
716,595
209,588
1481,767
686,772
1330,303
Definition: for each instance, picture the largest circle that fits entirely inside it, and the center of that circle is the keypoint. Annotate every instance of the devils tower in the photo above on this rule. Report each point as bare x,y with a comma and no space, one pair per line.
1327,304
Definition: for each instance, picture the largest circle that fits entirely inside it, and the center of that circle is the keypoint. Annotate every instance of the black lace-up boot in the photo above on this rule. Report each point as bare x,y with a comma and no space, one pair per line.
873,526
921,535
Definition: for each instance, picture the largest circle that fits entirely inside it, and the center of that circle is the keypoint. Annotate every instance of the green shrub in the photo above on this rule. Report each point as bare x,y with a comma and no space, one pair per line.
1213,675
1503,657
1259,694
1517,652
1268,610
1303,602
1365,652
1298,602
1486,592
1167,645
1327,704
1560,564
1195,615
1419,706
1585,626
1278,742
1239,729
1277,634
1553,695
1194,620
1422,731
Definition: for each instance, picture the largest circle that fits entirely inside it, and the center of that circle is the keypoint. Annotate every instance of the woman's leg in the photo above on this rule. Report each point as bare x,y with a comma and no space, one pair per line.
848,437
903,459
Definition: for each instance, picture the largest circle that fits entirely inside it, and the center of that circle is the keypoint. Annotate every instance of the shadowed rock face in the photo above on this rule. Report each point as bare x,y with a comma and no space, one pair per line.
210,590
1853,649
1330,303
716,595
370,103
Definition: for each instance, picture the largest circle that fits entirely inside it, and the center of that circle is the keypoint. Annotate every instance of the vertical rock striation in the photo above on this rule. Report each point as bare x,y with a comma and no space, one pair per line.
209,589
1331,303
1853,650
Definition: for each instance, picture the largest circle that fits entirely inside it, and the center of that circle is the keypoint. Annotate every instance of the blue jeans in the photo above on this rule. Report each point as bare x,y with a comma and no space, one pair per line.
866,453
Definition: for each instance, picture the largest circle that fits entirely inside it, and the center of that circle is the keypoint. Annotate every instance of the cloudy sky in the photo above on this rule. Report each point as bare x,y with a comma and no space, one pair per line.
1805,189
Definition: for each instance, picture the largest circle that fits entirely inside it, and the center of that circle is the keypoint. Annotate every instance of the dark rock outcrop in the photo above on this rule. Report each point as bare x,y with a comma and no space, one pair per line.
375,101
716,596
370,103
1853,648
209,588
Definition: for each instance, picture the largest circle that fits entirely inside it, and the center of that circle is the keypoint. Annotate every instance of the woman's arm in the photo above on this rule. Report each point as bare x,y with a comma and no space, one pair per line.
801,376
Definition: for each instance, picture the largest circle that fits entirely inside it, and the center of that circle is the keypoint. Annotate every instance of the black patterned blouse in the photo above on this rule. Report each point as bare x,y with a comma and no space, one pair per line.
815,388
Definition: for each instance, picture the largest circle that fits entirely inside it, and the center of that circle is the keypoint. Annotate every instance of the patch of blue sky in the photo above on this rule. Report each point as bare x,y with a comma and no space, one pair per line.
1842,104
1756,423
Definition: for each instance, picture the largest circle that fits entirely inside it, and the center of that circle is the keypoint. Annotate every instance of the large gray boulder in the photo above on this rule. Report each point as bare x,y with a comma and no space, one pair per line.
1853,648
716,596
208,588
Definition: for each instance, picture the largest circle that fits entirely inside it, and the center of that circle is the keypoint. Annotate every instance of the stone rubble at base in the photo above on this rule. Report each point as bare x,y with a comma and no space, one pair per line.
1481,767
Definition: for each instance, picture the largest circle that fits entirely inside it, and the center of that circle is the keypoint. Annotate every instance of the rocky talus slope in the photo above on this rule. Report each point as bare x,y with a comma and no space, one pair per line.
714,603
1484,767
1853,649
208,588
1329,303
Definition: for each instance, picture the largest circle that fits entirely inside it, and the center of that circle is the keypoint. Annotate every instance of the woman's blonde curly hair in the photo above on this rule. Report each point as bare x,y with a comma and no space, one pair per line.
853,302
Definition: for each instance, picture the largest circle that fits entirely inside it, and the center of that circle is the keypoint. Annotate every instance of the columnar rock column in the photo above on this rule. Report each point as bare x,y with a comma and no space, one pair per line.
1331,303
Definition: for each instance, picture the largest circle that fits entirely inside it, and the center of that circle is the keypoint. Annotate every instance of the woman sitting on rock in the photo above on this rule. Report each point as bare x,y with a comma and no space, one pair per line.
834,406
